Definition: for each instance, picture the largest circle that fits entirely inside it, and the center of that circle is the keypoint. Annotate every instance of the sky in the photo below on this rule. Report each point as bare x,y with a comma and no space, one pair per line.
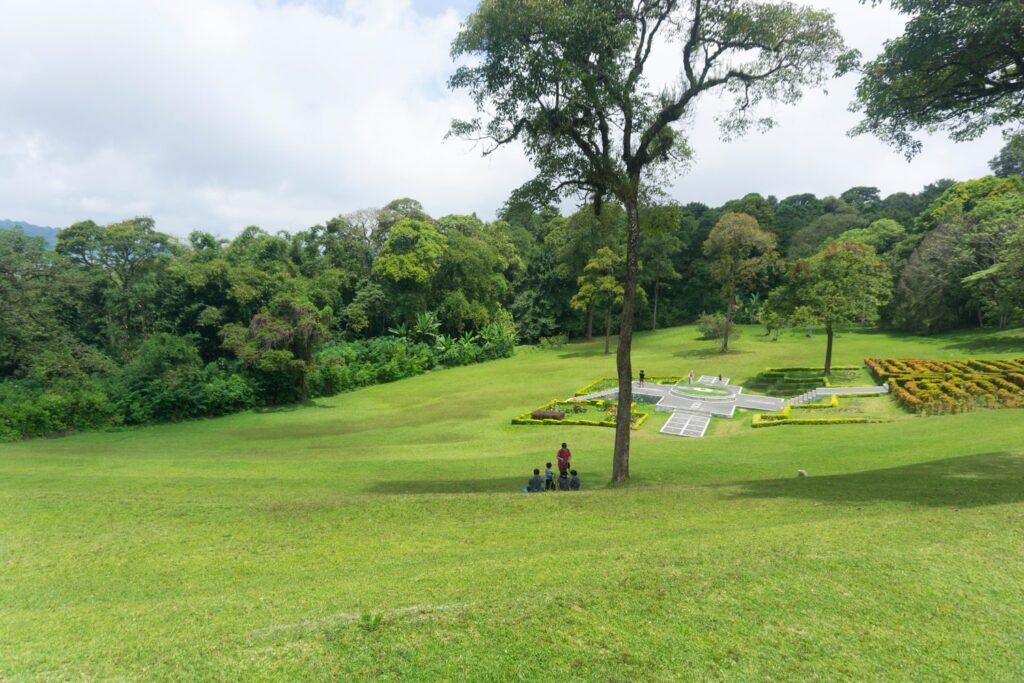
219,114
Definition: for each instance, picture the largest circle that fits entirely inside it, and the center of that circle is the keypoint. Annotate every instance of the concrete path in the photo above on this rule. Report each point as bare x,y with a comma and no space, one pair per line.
691,415
683,423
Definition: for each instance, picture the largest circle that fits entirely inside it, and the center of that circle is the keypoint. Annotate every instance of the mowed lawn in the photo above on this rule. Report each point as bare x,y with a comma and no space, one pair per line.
381,534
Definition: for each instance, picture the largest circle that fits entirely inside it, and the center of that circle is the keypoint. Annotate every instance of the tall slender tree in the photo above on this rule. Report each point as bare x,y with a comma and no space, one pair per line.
569,80
741,254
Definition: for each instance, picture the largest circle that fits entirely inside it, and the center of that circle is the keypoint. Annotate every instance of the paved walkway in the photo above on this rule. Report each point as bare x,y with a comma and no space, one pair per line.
691,415
683,423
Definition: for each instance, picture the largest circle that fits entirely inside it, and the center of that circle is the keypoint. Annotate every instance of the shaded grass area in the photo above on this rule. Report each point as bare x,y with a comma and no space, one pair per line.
381,535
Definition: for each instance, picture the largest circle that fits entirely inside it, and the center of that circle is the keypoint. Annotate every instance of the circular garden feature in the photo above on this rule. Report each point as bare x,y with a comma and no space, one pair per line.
701,392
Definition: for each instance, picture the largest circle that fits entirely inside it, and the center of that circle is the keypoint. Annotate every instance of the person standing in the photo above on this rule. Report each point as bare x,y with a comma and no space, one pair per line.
563,457
641,378
689,378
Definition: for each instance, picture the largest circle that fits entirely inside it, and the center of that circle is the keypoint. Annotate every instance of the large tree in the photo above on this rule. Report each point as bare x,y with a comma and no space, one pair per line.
568,79
958,67
844,284
741,255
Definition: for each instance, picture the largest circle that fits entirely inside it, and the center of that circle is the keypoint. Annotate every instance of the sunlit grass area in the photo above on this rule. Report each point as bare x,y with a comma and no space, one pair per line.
382,534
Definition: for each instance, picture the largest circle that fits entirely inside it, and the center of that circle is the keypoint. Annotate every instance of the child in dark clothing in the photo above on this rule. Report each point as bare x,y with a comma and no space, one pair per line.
549,478
563,481
574,482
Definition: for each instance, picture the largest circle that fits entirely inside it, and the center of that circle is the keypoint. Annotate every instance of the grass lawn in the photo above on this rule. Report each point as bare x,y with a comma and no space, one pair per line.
381,534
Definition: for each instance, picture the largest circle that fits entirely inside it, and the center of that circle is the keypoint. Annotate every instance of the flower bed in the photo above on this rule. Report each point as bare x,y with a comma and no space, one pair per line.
607,410
939,387
799,415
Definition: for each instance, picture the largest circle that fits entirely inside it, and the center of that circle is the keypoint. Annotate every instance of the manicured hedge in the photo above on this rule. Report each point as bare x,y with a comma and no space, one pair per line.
775,421
939,387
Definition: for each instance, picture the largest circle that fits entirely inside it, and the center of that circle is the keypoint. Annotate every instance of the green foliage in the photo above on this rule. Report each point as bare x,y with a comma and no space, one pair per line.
955,276
957,67
741,255
715,326
1010,160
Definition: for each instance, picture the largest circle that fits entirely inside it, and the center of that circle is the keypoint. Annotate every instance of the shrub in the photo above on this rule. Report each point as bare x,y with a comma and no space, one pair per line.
555,342
713,326
547,415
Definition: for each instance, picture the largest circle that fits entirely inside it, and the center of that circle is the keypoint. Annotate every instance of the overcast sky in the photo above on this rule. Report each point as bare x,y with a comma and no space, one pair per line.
217,114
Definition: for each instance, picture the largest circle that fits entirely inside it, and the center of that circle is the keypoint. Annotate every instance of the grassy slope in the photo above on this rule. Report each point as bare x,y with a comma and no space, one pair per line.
378,534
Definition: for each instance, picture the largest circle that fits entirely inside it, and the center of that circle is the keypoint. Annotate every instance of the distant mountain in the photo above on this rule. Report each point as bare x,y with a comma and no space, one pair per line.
49,234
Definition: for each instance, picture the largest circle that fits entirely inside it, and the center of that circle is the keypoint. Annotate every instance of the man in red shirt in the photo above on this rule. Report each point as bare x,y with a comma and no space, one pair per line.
563,459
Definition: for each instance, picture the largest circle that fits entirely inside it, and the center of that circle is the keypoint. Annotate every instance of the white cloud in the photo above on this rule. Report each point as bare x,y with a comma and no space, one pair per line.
216,114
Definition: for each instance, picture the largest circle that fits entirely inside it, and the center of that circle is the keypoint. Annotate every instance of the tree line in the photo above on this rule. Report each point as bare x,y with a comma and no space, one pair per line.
124,324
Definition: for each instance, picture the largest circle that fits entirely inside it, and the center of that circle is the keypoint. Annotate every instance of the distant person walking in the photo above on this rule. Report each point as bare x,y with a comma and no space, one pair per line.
689,378
535,484
641,378
563,458
574,481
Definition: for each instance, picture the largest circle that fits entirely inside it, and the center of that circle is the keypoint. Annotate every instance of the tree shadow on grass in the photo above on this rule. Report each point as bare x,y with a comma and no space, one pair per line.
291,407
497,485
986,344
964,482
708,353
588,353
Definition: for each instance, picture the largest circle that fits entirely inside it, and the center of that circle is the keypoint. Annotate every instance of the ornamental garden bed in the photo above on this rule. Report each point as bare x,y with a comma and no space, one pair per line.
787,382
863,409
593,413
936,387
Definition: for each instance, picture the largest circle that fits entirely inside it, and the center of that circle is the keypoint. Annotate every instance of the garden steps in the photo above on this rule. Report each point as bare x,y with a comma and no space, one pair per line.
823,392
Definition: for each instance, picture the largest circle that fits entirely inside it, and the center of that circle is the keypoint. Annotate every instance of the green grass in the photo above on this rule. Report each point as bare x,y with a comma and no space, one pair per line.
380,535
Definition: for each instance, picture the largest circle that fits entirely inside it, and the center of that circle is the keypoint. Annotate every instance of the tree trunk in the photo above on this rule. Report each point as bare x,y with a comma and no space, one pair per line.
607,328
623,359
730,308
654,315
828,350
590,321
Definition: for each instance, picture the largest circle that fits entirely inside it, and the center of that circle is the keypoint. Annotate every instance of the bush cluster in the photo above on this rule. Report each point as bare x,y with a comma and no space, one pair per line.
714,325
167,381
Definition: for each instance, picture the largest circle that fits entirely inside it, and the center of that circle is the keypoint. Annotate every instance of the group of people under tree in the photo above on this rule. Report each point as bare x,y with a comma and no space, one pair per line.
568,480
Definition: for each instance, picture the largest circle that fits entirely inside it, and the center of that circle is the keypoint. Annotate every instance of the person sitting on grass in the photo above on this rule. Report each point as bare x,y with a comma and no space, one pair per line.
563,481
574,481
549,478
536,484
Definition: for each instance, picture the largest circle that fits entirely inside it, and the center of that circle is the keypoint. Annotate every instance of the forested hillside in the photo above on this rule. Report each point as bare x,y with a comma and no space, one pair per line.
125,324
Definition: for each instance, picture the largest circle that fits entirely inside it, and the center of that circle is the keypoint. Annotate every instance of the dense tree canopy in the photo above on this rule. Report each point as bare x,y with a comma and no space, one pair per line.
959,67
126,324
